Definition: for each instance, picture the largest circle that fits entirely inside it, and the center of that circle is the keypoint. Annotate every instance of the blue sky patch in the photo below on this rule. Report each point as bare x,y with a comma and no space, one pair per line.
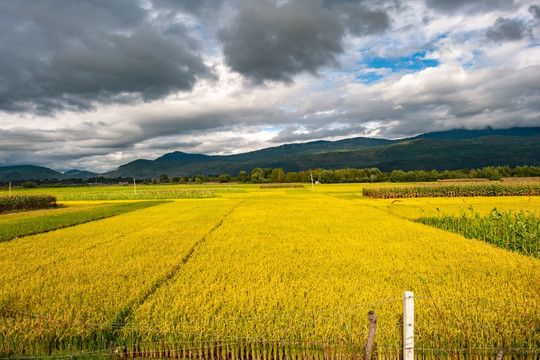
369,78
416,61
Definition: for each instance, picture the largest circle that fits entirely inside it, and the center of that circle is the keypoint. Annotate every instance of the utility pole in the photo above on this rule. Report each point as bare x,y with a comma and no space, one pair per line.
10,188
312,186
134,186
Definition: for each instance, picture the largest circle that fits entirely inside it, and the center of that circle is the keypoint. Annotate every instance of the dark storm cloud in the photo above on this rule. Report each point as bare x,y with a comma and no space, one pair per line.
468,5
535,11
192,6
267,41
63,54
361,21
506,29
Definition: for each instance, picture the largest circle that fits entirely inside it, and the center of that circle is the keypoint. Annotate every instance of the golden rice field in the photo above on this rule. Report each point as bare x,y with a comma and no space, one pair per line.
268,274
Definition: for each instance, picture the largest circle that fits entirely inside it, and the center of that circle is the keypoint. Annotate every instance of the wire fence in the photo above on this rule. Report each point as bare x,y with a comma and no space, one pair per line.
209,344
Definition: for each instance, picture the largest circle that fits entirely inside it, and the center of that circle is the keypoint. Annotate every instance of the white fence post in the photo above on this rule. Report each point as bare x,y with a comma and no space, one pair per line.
408,326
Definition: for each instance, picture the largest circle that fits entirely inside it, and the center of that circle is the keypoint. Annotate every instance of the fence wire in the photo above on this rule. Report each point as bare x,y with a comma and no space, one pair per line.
215,341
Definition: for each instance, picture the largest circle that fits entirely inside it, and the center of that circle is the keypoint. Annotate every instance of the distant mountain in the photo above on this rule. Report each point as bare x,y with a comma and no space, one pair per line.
450,150
79,174
463,134
179,164
430,154
455,149
27,172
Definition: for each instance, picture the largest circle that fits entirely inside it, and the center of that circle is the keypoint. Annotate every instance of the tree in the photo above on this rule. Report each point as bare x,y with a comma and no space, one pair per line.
257,176
242,176
29,184
278,176
224,178
163,178
292,177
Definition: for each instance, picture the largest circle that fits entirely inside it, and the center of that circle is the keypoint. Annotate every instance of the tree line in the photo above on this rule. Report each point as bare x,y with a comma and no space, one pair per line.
348,175
278,175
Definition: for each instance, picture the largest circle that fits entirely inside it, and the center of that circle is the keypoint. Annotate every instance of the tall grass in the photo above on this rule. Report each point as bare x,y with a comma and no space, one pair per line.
26,202
517,231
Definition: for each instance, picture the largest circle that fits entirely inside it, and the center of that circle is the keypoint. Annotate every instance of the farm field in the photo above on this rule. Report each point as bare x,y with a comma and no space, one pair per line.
266,274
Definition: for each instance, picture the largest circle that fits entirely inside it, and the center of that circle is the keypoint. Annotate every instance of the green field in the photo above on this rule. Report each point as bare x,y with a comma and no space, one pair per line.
264,274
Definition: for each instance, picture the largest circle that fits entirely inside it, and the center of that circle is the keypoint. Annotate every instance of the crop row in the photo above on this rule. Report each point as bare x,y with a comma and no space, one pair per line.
26,202
451,191
52,221
282,186
140,195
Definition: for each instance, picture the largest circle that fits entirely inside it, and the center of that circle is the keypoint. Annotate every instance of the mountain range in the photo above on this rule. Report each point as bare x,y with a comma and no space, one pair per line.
448,150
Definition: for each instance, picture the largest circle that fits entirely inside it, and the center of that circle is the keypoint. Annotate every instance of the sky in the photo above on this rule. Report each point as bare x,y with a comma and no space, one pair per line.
94,84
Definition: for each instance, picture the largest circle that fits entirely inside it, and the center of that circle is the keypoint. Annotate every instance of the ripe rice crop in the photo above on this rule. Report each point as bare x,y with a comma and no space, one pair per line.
305,292
140,195
265,275
511,230
94,273
415,208
26,202
452,191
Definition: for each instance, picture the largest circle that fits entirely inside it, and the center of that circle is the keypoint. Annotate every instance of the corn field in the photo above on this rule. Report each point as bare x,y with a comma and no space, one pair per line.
443,190
26,202
517,231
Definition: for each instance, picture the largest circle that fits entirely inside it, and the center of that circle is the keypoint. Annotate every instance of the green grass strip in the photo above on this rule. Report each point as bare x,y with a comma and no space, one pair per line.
48,222
516,231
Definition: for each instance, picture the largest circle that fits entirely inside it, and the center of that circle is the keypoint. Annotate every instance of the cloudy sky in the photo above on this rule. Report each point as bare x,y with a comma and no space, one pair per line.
93,84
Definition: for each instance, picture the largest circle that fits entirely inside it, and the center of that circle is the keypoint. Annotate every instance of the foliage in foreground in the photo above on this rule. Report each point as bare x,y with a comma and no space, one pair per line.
140,195
26,202
510,230
462,190
47,222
